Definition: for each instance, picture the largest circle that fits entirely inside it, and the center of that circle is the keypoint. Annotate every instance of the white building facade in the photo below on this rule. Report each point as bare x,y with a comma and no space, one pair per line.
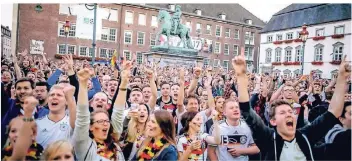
281,50
6,42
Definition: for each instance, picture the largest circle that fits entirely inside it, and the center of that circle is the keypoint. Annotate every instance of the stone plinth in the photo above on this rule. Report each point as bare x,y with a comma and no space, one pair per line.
181,59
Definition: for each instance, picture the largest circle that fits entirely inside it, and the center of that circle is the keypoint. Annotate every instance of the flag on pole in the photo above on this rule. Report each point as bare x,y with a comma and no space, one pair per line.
114,60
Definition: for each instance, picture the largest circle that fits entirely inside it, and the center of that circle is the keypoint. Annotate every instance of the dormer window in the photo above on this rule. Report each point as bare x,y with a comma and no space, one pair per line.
222,16
249,21
172,7
199,12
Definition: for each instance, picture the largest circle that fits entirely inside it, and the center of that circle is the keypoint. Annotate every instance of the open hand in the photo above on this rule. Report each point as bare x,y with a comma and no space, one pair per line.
345,68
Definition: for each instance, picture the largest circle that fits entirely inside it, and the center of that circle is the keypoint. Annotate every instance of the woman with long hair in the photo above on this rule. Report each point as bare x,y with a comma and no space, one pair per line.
59,150
191,144
135,132
160,141
22,135
94,137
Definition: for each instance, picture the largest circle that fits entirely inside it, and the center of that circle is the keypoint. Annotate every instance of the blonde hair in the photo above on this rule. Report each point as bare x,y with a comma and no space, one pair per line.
132,127
56,86
54,147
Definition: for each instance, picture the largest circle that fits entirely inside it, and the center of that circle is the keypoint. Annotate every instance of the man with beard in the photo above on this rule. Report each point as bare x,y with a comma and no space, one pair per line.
288,142
23,87
41,93
58,125
165,101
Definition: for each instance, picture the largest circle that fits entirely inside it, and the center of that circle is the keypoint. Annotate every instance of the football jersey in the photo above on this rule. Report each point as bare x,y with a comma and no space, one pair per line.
233,137
49,131
196,155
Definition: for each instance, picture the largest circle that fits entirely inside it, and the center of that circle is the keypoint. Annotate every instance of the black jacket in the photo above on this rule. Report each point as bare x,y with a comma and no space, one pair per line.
271,143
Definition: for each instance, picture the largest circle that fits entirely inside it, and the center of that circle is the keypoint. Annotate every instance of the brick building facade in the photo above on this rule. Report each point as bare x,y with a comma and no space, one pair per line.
130,28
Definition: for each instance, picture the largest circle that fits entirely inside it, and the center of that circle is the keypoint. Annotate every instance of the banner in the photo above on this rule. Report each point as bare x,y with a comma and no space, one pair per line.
85,22
36,47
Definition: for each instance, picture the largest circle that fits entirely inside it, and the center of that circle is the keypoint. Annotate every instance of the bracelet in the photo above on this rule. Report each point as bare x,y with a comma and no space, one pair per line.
123,89
28,119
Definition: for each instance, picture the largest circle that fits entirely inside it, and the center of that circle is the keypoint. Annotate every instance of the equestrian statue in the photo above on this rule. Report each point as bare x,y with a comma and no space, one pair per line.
172,26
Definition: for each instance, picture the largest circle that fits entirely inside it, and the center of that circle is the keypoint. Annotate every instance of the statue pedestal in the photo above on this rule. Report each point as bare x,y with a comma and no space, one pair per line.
180,58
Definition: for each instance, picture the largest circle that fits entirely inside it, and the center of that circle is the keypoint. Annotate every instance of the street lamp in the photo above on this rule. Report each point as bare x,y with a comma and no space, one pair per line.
304,36
66,26
94,28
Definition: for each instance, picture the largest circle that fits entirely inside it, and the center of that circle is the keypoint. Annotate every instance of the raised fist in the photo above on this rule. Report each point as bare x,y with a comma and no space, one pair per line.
197,71
84,74
69,91
30,102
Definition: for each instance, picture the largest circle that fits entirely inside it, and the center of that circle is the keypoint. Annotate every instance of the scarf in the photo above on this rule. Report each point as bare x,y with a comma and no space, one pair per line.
34,152
195,154
151,149
106,152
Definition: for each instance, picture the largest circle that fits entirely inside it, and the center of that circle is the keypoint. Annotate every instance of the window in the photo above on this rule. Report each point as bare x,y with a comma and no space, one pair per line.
298,35
235,49
208,32
216,63
154,21
218,31
289,36
270,38
72,31
297,72
113,14
128,37
249,38
104,34
199,28
298,54
111,52
140,38
334,74
112,35
278,37
318,52
103,53
71,49
206,61
226,65
217,48
339,30
83,51
288,54
189,25
127,54
268,56
248,52
226,49
61,29
152,40
139,58
141,19
227,32
62,49
90,54
278,55
287,73
129,17
237,34
319,32
338,51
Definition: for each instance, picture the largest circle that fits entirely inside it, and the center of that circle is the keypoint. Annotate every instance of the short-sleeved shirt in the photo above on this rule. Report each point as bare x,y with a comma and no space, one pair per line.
233,137
183,142
50,131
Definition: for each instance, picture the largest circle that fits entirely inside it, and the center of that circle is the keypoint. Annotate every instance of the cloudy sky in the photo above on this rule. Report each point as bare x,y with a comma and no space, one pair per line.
262,10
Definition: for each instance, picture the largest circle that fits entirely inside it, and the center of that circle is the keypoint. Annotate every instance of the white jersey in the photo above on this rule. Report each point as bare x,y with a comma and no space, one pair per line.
233,137
49,131
291,151
196,155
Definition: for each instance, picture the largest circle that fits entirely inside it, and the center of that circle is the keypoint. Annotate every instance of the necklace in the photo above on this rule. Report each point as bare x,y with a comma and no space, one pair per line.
151,149
105,152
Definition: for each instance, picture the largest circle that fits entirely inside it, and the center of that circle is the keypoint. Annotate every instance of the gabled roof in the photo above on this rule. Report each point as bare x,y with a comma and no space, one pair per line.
295,15
233,11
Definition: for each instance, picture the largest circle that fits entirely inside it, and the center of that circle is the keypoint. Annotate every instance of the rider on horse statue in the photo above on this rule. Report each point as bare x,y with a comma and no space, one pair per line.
176,19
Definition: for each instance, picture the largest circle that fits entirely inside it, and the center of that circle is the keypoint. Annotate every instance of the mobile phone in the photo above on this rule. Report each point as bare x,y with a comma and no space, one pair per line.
133,106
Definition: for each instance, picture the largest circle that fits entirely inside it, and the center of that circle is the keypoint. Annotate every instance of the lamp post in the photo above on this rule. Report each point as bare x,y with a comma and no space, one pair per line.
94,28
304,36
67,26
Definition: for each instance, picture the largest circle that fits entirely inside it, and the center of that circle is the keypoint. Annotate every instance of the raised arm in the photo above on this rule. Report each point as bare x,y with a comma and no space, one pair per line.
151,77
71,103
277,93
24,140
211,101
181,92
194,82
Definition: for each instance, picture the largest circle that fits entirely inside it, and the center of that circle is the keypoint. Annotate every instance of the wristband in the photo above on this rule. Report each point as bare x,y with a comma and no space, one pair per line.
122,89
28,119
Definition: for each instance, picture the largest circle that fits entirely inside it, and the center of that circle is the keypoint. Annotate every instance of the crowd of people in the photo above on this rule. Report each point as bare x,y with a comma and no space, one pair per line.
72,110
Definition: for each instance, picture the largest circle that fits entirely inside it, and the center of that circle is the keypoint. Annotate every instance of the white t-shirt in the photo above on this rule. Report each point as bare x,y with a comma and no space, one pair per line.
202,127
49,131
183,144
233,137
291,151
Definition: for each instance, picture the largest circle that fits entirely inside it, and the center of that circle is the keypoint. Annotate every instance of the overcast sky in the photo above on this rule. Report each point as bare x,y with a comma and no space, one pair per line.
262,10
